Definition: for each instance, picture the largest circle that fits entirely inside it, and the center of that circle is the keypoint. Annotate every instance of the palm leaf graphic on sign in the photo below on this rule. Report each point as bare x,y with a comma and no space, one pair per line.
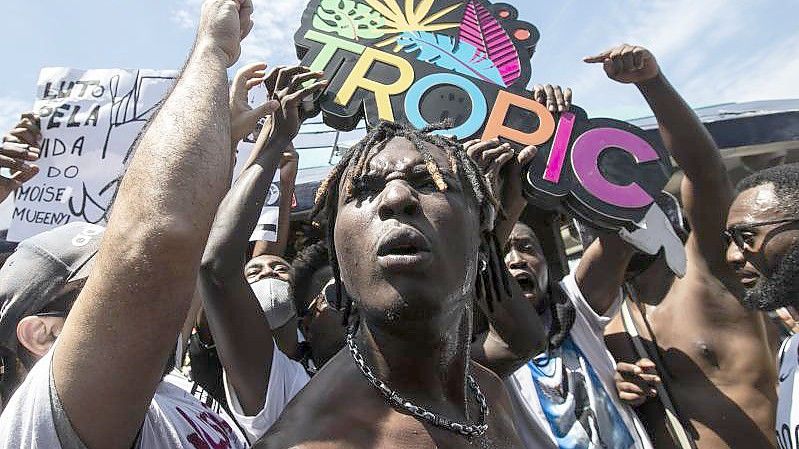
349,19
480,29
414,17
445,52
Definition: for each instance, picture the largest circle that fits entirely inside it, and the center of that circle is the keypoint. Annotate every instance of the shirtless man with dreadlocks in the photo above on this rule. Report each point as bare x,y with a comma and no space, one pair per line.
410,227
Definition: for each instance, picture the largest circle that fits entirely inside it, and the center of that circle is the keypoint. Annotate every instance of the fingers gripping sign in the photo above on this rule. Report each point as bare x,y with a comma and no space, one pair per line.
287,86
20,147
243,117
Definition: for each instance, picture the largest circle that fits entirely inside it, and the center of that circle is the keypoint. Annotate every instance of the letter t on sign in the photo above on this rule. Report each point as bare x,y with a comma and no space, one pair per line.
383,92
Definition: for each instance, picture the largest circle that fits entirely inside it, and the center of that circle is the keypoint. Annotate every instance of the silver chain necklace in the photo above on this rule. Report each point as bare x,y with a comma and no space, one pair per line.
469,430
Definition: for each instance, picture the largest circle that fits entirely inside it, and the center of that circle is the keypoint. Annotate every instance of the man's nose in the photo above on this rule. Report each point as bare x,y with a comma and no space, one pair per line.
514,260
735,257
398,199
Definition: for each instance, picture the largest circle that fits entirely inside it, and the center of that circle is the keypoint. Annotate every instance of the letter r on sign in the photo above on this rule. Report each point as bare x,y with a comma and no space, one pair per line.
382,92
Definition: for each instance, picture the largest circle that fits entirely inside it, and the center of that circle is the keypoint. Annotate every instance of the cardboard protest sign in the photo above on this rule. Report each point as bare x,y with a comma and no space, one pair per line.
421,61
89,120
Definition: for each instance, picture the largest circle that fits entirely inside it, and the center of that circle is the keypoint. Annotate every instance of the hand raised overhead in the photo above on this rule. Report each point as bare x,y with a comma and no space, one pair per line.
224,24
288,86
243,117
627,63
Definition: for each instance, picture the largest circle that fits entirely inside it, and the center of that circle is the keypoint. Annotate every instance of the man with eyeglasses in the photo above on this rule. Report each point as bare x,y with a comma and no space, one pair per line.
763,235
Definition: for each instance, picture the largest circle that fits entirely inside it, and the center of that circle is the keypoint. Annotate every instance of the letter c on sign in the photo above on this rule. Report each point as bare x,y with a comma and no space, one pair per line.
479,107
585,162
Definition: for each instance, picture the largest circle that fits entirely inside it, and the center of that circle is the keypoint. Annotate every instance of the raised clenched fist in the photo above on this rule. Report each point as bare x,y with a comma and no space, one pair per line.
223,24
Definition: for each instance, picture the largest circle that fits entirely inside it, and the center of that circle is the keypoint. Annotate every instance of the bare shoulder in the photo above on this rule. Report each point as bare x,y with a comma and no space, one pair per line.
323,414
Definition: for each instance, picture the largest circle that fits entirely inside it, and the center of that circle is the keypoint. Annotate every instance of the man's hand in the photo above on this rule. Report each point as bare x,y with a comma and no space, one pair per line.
637,382
20,146
223,25
286,86
627,64
553,97
243,118
503,167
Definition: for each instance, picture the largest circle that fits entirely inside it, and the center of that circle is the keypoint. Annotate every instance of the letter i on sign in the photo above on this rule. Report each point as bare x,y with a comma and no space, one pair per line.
560,145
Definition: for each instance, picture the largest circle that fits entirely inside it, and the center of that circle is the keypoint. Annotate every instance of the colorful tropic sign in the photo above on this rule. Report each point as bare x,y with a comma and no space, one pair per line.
422,61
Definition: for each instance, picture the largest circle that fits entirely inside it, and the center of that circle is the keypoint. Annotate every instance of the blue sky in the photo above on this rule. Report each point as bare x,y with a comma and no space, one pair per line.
714,51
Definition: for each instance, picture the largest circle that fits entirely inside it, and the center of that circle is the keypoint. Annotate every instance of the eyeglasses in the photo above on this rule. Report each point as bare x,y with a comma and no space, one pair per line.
735,233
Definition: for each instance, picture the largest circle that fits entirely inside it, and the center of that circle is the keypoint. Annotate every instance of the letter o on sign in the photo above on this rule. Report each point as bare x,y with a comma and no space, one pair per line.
479,107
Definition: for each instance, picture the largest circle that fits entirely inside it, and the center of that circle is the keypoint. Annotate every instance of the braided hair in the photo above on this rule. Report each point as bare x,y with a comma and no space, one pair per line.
492,278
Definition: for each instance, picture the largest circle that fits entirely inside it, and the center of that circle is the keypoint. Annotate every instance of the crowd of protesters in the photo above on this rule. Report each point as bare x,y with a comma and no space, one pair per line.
426,315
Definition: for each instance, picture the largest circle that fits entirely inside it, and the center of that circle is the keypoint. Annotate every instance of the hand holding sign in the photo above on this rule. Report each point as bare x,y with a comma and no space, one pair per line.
20,146
243,117
286,86
223,25
502,167
627,64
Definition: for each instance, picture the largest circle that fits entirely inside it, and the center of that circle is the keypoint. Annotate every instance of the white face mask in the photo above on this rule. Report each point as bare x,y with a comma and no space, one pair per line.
276,299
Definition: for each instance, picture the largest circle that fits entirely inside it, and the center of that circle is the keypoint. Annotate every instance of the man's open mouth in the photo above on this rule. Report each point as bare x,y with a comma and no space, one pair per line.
403,247
527,281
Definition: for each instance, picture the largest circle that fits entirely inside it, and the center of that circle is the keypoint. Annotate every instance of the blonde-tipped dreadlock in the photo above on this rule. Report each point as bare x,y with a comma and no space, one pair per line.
492,279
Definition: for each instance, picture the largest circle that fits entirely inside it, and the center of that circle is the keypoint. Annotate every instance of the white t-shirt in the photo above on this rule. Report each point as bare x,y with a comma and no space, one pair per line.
35,419
787,391
286,379
581,411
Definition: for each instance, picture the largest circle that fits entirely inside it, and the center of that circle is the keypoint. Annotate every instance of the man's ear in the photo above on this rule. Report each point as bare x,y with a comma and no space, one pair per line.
38,334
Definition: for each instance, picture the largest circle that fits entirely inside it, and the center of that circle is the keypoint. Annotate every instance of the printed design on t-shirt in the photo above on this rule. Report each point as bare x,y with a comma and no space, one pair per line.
580,412
787,428
204,424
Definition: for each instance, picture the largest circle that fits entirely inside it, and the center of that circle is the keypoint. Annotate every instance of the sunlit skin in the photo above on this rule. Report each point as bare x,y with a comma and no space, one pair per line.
408,255
765,245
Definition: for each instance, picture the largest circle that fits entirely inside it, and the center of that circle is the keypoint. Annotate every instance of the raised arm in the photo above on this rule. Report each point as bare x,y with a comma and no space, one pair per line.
123,327
600,273
238,325
288,177
515,334
706,190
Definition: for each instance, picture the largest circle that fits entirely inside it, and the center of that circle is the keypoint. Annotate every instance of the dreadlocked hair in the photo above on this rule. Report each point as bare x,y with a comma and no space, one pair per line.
492,278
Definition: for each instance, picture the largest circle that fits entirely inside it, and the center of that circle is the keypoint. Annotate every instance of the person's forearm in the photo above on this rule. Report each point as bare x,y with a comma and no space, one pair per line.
225,255
683,134
145,272
278,247
600,274
516,334
241,331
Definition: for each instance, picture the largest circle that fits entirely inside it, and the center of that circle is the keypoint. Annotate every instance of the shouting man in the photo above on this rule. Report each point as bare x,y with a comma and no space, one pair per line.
410,227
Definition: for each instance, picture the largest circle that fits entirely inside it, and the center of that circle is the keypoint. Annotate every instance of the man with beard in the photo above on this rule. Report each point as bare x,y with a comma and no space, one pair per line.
763,235
715,354
410,227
